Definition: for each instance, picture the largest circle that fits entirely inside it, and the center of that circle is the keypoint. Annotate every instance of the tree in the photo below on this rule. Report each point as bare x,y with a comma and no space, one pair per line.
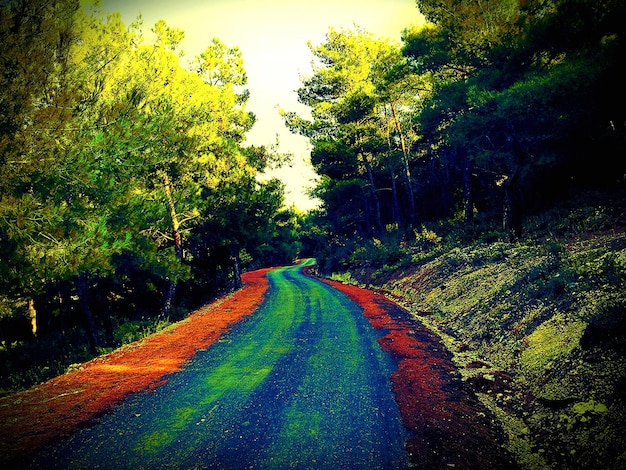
192,126
485,57
346,129
51,206
115,155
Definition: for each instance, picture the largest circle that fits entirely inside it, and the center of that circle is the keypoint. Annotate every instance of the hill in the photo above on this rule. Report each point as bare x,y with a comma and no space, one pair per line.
538,330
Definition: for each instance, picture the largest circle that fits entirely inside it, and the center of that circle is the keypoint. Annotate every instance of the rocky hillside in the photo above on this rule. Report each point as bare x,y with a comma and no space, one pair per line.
538,330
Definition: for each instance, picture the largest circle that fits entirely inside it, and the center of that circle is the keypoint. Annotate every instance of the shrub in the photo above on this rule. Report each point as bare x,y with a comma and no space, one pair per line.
426,239
129,331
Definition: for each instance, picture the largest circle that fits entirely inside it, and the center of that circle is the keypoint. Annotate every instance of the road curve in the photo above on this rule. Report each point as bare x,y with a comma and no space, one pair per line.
302,383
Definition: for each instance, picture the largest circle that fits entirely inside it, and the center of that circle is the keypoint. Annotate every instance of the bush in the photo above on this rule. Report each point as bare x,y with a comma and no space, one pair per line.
129,331
426,239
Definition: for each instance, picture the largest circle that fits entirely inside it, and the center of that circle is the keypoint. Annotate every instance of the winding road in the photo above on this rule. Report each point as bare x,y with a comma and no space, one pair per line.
301,383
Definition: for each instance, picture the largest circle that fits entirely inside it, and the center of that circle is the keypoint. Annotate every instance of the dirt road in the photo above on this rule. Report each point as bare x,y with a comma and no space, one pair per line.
289,372
302,383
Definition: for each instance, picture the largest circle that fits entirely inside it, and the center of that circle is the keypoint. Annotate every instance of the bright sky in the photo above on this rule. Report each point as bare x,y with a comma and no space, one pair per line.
272,36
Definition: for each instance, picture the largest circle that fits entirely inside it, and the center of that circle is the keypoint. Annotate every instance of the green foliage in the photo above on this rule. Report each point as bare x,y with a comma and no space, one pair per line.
376,252
128,331
589,407
35,362
492,112
549,342
124,173
426,239
361,95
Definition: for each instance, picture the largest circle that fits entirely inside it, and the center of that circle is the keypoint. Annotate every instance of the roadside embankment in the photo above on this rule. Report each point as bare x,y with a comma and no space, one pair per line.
449,427
538,331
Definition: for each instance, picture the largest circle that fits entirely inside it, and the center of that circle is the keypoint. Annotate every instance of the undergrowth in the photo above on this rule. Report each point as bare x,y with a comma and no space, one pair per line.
27,363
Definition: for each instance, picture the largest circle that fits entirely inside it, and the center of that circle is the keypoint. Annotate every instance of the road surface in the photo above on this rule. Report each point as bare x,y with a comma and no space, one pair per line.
302,383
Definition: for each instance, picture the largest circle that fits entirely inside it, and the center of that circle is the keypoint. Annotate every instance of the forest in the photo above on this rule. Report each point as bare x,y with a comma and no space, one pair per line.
128,196
492,112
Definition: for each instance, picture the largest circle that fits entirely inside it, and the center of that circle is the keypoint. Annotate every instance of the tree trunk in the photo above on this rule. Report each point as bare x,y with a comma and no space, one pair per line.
368,214
407,167
169,297
32,313
178,241
512,219
235,258
392,174
84,301
468,196
64,294
394,196
373,193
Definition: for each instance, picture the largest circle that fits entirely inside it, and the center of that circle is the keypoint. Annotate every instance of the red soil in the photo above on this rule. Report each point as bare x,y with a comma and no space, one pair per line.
449,427
34,417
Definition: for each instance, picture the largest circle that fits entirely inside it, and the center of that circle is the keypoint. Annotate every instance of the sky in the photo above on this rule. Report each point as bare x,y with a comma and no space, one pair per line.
272,36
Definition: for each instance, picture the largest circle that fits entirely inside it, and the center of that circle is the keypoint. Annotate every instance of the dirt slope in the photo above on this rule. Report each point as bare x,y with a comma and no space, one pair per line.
449,427
538,330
